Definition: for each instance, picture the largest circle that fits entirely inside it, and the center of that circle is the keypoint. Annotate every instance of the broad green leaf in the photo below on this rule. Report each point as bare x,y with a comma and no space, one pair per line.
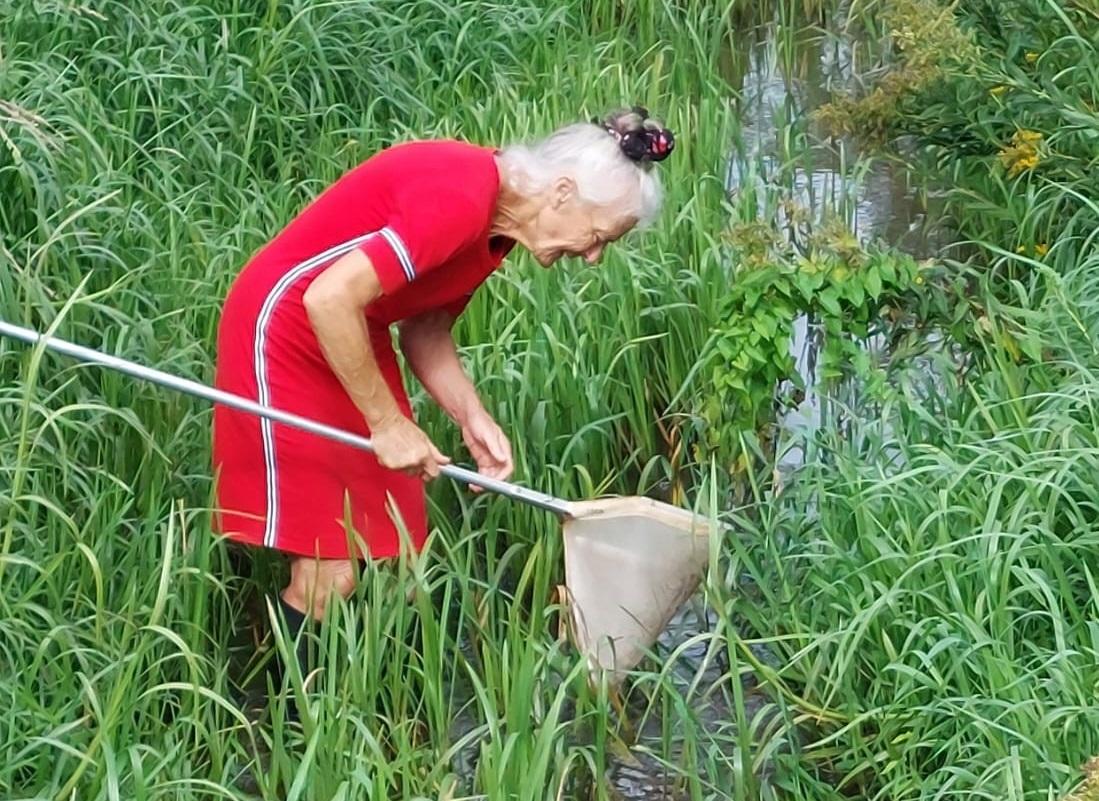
873,282
829,300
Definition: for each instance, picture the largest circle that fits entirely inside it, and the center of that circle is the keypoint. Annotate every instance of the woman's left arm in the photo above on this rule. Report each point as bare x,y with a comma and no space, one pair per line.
428,346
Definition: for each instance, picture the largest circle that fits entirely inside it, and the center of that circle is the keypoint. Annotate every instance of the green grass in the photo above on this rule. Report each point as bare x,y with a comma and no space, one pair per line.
912,617
146,154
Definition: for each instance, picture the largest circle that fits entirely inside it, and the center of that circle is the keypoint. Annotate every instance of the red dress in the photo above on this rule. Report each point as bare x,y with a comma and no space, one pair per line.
421,213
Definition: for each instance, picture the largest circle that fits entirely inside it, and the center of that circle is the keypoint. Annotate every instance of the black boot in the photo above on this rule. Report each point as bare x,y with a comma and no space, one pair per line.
296,636
295,622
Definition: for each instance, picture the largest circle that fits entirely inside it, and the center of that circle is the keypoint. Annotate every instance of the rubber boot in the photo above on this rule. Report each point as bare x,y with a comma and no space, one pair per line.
295,623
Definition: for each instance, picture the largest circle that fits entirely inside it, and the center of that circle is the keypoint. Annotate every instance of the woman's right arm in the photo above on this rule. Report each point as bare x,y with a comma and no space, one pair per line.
335,303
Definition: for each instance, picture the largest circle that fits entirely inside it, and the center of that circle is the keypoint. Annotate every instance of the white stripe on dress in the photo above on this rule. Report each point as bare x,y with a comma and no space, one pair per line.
401,251
267,428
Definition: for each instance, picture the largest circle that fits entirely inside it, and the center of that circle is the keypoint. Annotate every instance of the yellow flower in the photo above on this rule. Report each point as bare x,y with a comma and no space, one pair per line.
1022,153
1024,164
1039,250
1031,57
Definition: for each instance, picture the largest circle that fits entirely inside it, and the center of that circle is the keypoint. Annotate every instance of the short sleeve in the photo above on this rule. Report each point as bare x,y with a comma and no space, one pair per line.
423,230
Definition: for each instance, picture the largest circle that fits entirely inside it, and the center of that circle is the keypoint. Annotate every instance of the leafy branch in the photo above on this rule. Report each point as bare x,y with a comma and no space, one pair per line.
849,294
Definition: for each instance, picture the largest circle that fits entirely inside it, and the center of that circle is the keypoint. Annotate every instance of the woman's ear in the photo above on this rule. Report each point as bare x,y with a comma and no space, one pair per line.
564,189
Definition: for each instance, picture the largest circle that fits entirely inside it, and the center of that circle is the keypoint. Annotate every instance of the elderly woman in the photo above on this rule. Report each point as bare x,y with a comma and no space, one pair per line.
404,238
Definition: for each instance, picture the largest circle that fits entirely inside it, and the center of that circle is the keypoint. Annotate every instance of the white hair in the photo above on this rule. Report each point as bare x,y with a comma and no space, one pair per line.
591,156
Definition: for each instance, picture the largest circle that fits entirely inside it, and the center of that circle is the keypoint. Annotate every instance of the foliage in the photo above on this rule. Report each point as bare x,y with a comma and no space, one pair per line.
925,44
1020,131
146,150
849,294
927,575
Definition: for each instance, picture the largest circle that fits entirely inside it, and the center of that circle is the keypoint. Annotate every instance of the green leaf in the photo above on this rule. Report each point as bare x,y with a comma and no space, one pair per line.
755,353
855,293
1031,346
1011,345
804,283
860,359
781,310
765,326
830,301
873,282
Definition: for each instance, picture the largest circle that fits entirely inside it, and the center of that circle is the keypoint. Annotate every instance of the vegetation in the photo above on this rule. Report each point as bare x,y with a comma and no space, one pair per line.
910,613
928,575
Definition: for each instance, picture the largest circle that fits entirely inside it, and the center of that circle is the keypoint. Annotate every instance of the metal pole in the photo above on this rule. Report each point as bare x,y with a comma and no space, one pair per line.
513,491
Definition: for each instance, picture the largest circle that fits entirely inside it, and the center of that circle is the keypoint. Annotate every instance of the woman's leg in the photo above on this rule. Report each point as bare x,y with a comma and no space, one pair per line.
313,582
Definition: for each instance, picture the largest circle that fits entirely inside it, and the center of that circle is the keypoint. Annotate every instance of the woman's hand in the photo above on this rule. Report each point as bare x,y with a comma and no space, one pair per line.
400,444
488,446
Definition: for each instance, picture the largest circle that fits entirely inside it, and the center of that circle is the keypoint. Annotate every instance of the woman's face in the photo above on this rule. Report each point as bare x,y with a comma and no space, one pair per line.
567,225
